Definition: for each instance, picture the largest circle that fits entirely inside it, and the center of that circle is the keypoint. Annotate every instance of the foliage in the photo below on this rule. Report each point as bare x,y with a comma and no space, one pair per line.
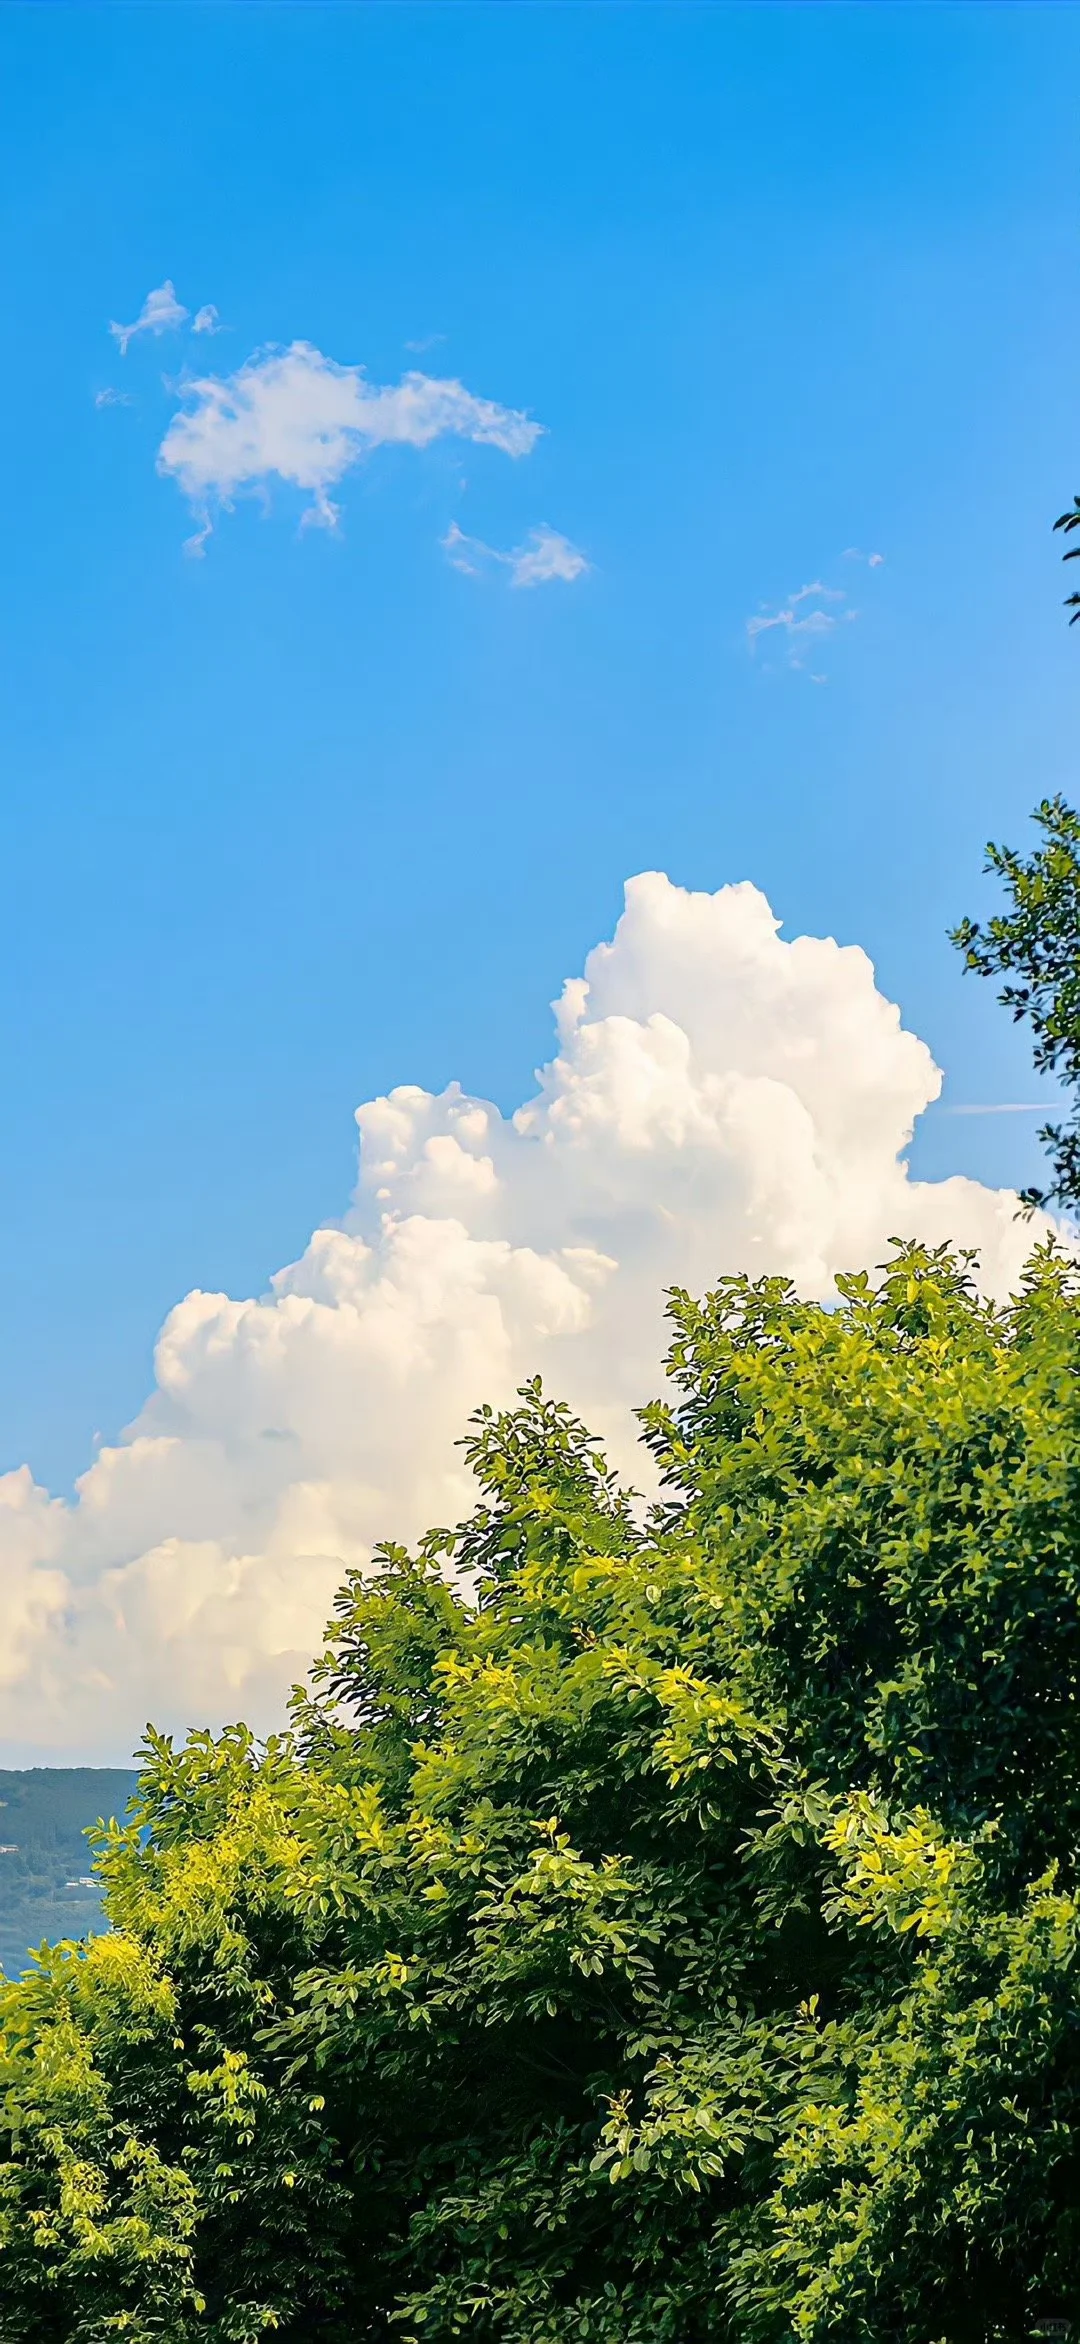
1035,945
659,1924
1068,521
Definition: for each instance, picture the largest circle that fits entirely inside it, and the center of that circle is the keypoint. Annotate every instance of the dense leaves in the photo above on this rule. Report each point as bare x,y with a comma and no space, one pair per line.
659,1924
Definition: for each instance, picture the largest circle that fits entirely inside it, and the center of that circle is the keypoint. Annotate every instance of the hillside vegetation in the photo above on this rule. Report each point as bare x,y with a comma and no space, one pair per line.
662,1932
47,1886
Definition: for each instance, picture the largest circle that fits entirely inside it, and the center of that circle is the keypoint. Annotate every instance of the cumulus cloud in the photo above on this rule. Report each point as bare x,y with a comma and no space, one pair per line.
205,320
161,313
297,416
545,555
719,1099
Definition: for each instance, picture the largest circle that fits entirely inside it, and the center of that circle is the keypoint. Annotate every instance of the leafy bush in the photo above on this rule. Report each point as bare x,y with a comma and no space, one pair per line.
657,1925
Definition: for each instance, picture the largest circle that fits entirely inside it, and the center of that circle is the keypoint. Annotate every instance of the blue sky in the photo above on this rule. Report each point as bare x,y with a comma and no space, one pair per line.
317,813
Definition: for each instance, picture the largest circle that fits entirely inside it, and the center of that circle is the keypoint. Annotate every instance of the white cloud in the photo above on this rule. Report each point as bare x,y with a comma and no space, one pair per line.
816,622
720,1100
205,320
799,628
467,554
544,555
1002,1107
298,416
817,592
111,398
161,313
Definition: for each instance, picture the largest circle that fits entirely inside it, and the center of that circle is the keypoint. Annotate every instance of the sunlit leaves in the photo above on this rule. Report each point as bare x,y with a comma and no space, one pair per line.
657,1927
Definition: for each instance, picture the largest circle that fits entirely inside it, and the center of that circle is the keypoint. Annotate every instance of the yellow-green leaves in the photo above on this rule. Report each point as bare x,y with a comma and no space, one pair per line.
903,1877
658,1926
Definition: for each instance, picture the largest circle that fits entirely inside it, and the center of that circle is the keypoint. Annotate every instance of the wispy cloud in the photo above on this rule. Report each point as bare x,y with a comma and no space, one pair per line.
873,560
1002,1107
112,398
161,313
798,629
544,555
298,416
816,591
424,342
815,622
206,319
806,618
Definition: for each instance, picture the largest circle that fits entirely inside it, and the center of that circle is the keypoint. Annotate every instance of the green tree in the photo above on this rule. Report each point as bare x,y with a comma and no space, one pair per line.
658,1925
1035,945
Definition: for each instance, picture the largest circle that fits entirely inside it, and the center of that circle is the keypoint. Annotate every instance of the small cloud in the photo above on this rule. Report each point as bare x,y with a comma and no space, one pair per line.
873,561
161,313
298,416
111,398
206,320
424,342
815,622
807,615
823,593
545,555
1001,1107
459,551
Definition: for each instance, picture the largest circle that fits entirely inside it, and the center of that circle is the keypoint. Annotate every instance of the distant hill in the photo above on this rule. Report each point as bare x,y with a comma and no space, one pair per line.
46,1887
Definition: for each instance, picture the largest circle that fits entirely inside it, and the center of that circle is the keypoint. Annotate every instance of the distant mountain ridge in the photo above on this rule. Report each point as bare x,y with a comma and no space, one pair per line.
47,1888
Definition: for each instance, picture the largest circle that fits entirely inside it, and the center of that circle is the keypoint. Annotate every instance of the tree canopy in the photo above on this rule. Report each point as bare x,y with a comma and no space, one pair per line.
659,1924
